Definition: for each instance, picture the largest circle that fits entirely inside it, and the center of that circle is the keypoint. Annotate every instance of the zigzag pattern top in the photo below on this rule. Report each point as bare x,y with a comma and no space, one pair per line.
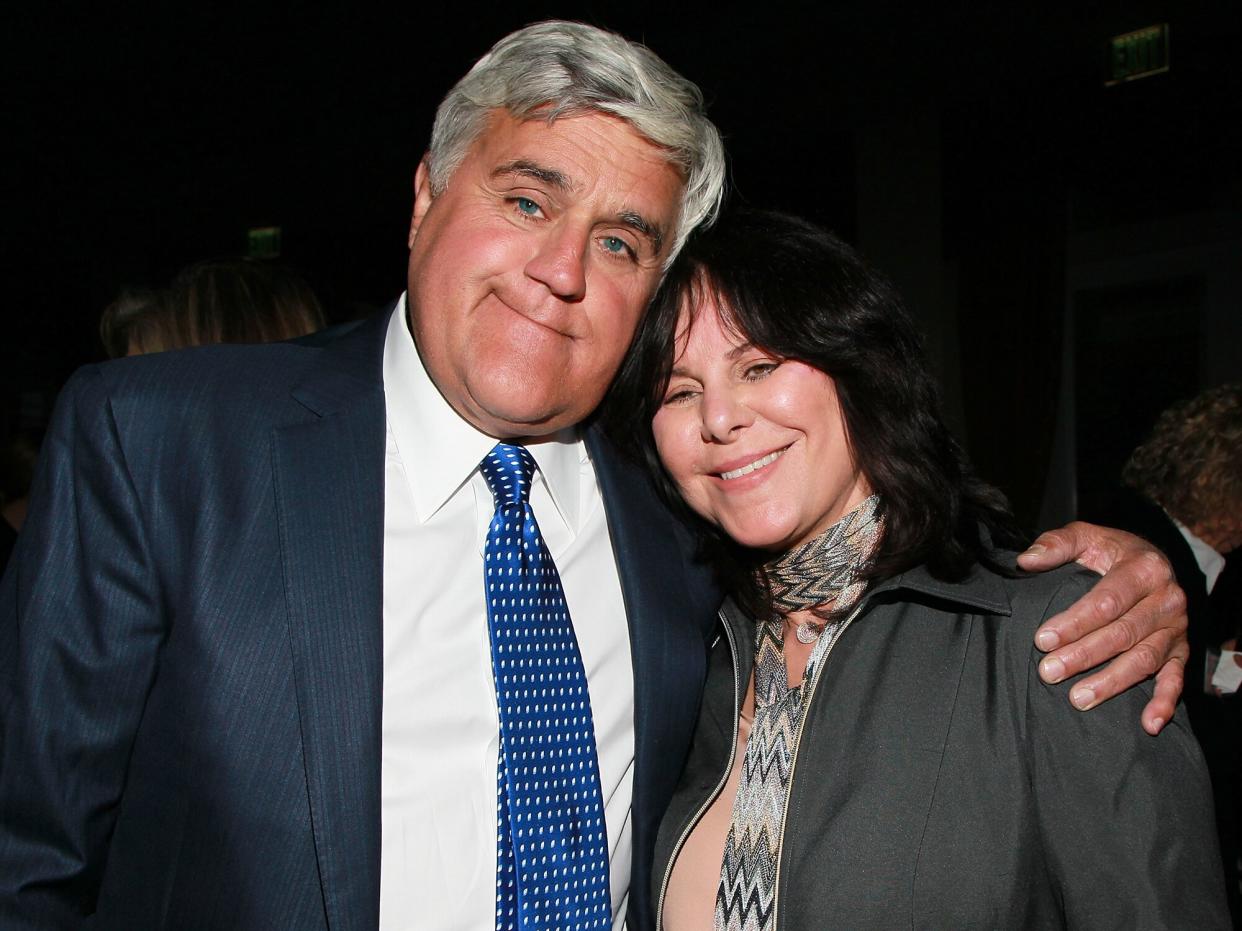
746,896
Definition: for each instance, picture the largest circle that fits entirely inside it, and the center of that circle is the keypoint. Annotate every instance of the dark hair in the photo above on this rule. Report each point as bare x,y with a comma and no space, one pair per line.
800,293
240,301
214,301
135,322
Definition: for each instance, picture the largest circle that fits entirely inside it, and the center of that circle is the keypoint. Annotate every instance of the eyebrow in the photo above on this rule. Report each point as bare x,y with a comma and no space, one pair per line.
529,169
643,226
732,355
653,232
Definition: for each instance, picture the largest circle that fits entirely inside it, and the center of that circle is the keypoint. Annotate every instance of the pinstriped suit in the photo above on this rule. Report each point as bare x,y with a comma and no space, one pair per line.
191,646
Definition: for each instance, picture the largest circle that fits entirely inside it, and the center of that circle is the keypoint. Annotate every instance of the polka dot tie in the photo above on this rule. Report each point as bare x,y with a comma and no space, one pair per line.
551,842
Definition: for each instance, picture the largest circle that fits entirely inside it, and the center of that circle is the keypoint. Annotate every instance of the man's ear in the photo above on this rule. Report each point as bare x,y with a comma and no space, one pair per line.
422,199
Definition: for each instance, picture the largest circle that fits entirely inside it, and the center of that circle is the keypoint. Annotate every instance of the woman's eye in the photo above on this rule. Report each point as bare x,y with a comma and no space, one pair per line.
527,206
678,396
760,369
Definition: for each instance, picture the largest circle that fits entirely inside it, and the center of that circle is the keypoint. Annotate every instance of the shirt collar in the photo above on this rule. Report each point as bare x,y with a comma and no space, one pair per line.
440,451
1211,563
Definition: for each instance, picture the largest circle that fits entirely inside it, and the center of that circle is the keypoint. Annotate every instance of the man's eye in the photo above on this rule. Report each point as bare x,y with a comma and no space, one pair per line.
527,206
615,245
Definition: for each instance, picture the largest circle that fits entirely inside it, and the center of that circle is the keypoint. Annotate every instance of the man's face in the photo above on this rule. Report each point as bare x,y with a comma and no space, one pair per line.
529,272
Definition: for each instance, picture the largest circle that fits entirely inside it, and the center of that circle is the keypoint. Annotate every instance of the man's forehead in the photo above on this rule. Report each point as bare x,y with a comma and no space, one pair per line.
541,128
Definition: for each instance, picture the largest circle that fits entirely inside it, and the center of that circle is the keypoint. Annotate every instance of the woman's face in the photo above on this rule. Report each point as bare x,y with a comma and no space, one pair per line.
756,445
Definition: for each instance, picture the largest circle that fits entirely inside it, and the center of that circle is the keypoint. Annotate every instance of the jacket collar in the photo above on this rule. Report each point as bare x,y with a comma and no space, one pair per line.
349,367
980,588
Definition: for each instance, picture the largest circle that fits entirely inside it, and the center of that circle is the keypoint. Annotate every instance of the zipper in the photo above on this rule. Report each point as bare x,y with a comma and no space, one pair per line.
737,711
806,710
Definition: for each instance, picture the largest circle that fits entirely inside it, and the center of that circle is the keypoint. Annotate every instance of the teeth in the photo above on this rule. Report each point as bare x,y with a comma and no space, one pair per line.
757,464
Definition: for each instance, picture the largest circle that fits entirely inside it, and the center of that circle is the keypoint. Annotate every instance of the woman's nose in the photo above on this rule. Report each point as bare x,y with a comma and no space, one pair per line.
724,415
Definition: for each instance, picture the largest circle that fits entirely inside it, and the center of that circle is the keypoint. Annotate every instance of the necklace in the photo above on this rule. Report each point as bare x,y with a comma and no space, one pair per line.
809,631
825,569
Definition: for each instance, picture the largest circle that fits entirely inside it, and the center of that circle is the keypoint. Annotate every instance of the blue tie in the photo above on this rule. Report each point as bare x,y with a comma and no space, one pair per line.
551,842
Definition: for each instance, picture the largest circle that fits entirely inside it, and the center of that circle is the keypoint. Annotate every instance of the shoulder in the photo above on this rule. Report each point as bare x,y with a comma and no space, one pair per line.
231,369
997,589
1000,604
1036,596
1029,599
247,371
160,407
326,370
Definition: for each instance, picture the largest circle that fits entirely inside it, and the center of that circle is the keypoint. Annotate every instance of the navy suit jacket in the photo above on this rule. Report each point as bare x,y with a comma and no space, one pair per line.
191,646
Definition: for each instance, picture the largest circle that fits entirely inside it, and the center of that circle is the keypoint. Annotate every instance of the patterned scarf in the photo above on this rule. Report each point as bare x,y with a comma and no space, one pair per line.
746,896
825,569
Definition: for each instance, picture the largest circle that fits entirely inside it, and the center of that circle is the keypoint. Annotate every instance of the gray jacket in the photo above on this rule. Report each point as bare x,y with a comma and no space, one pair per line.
939,783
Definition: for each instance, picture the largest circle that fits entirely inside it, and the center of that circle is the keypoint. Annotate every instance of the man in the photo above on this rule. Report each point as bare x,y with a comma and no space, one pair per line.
1183,492
246,663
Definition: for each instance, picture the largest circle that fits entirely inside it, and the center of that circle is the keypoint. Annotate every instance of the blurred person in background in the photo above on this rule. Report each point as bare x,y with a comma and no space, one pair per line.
1183,492
214,301
134,323
239,301
17,463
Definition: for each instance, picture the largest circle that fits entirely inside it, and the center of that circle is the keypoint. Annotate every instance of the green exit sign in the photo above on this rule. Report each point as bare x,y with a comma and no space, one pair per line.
1138,54
263,242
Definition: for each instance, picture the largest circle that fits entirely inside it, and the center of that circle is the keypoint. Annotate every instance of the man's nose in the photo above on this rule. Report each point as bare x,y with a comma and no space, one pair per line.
724,415
560,263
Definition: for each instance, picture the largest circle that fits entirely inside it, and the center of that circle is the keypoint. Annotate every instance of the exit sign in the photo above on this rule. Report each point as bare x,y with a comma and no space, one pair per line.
1138,54
263,242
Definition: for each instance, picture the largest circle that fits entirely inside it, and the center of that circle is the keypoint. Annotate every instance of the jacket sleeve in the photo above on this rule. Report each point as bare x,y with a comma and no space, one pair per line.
80,631
1125,818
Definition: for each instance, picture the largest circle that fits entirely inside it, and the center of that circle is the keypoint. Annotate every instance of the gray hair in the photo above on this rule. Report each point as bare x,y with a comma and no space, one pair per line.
566,69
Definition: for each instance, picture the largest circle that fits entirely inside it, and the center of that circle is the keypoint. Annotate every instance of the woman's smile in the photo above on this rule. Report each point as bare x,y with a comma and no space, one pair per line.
751,467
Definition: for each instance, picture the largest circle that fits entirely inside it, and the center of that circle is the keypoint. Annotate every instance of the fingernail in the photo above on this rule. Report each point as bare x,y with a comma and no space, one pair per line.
1035,549
1047,640
1052,669
1082,698
1158,723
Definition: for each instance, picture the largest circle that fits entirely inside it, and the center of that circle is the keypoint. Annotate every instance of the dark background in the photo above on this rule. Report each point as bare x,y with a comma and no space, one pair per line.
1073,250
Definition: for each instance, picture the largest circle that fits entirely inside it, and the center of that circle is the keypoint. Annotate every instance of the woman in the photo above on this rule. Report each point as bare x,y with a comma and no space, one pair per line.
875,747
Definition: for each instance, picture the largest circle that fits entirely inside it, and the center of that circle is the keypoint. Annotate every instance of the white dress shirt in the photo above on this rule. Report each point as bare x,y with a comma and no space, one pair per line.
1211,563
440,726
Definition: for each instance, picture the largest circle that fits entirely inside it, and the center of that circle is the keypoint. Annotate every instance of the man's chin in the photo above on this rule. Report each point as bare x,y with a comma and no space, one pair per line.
508,420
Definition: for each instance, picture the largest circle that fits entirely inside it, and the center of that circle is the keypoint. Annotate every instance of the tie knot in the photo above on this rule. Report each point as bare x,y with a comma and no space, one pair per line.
508,470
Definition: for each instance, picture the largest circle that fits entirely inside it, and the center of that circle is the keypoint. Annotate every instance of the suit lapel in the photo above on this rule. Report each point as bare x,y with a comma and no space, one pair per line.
670,606
329,480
